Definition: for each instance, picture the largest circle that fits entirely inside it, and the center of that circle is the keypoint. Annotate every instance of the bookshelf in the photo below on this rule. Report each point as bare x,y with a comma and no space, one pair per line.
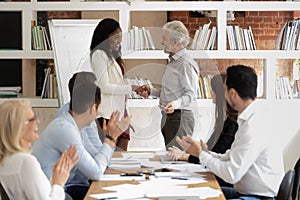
125,10
125,13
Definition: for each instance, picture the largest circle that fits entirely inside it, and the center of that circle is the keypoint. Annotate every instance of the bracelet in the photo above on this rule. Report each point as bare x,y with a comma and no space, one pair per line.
110,138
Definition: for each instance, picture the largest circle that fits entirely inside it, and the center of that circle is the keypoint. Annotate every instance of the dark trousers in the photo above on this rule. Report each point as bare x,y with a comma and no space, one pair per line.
179,123
231,193
77,192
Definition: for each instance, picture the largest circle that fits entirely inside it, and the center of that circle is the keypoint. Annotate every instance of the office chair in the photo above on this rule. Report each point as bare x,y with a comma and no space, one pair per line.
296,188
286,186
3,193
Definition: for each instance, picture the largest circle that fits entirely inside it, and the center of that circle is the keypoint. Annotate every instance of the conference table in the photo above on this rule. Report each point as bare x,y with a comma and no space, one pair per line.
96,186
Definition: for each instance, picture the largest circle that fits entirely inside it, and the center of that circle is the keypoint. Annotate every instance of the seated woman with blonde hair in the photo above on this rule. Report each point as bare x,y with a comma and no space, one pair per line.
20,173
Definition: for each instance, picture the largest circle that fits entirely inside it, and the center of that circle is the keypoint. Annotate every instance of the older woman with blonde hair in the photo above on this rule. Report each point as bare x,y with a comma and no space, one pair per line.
20,173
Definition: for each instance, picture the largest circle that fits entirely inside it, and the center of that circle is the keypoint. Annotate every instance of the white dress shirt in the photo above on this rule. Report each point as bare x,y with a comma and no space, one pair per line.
22,178
253,164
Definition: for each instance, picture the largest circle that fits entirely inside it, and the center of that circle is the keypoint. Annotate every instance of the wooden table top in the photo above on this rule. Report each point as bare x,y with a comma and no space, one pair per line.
96,186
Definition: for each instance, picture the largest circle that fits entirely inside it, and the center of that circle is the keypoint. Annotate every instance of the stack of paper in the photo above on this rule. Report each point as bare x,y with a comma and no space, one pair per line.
125,164
6,92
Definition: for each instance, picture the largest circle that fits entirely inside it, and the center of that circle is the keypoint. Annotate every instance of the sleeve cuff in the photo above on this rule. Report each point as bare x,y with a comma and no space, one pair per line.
58,191
176,104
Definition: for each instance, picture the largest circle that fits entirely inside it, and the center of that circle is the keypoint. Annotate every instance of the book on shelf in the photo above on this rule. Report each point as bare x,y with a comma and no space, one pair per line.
204,91
50,85
40,38
137,39
204,38
240,38
296,89
283,88
288,38
10,92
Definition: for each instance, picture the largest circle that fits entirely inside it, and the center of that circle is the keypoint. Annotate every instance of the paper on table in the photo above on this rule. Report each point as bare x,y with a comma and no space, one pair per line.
105,195
178,180
188,167
139,155
172,174
125,164
123,191
202,192
124,160
154,164
117,177
145,149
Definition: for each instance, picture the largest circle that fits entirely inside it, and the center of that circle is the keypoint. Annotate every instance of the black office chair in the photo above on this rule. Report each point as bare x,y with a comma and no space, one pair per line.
286,186
296,188
3,193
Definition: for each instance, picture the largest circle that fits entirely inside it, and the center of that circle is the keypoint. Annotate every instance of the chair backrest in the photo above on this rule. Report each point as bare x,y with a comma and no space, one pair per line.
3,193
286,186
296,188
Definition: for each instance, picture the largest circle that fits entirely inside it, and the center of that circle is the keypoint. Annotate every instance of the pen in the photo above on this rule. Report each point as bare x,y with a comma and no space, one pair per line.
179,178
131,174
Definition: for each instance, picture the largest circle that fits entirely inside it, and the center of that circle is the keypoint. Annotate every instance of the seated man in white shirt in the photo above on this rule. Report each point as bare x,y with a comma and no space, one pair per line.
253,164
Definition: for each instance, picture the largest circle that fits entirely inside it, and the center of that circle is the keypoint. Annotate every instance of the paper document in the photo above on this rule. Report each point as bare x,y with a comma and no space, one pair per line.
160,187
172,174
138,155
125,164
118,177
202,192
188,167
105,195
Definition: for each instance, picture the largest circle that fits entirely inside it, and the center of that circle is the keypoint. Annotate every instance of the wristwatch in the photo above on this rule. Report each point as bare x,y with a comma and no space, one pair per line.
111,138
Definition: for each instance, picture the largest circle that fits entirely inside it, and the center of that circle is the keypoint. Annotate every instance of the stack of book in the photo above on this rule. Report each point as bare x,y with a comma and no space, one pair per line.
296,89
240,39
40,38
283,88
137,39
9,92
288,38
204,38
139,82
50,85
204,91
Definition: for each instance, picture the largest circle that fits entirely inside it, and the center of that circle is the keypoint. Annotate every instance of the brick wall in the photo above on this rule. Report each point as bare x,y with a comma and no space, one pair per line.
265,25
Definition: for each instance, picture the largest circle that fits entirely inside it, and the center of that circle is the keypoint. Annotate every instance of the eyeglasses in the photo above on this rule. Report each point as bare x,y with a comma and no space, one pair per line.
33,119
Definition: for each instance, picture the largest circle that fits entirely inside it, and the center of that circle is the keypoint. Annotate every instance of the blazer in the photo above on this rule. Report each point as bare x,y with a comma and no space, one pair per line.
111,82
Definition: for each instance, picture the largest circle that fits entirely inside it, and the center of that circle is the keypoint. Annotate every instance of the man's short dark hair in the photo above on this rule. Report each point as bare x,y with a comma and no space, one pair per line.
243,79
79,78
84,96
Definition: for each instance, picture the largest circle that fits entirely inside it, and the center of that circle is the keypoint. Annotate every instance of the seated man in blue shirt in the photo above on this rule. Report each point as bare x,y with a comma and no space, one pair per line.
65,130
79,184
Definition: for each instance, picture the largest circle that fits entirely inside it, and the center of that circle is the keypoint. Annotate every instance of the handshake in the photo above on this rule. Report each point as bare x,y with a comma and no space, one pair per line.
143,90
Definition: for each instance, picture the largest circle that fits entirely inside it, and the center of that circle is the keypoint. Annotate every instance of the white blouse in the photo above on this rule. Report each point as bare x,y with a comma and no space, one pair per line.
22,178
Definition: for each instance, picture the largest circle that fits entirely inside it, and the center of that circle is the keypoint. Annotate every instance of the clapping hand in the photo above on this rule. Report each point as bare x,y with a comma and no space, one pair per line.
176,154
63,166
189,145
115,128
